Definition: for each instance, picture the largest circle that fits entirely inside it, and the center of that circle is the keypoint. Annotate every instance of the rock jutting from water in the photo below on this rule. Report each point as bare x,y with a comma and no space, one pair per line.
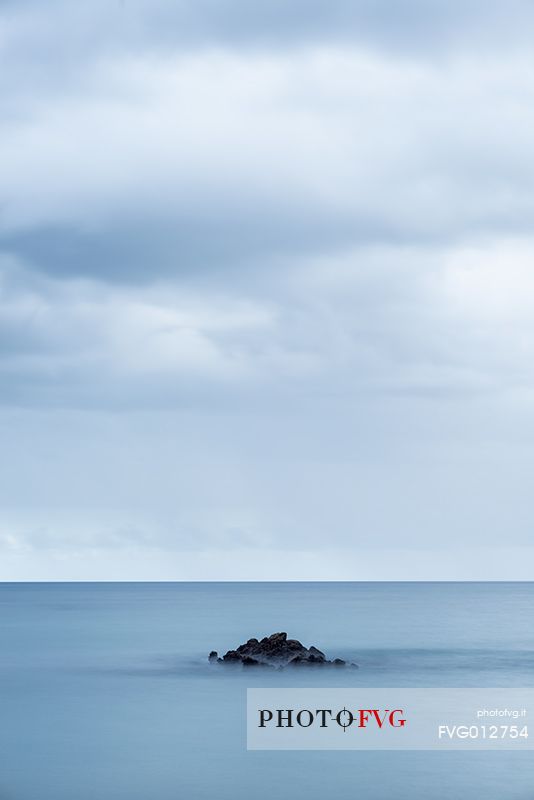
276,651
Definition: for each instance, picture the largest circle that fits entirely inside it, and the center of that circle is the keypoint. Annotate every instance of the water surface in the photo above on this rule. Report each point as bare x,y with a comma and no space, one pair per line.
106,694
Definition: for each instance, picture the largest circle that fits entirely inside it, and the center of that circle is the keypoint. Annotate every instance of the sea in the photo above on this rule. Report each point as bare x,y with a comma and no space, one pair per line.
106,692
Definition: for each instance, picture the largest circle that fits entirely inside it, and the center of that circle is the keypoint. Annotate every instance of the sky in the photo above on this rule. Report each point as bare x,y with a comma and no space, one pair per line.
266,290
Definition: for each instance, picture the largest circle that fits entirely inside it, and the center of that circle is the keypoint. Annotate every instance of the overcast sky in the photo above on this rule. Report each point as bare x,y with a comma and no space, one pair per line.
266,289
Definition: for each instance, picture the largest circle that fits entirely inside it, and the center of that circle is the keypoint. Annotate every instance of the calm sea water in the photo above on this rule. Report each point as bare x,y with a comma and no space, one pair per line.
106,694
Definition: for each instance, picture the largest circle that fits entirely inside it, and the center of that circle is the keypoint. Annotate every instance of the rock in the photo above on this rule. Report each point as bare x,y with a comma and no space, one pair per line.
316,654
232,655
275,651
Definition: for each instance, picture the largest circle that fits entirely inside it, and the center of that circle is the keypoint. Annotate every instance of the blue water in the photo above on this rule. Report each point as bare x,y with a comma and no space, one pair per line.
106,694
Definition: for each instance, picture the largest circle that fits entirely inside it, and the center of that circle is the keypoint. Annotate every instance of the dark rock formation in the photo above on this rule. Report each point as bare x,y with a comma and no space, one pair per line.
276,651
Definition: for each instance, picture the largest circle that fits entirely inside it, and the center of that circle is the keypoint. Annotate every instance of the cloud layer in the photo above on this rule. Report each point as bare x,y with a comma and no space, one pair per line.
266,280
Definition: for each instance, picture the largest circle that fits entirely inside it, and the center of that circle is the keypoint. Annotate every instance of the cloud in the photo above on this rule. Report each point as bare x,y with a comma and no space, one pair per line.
78,343
213,162
265,281
383,321
412,25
